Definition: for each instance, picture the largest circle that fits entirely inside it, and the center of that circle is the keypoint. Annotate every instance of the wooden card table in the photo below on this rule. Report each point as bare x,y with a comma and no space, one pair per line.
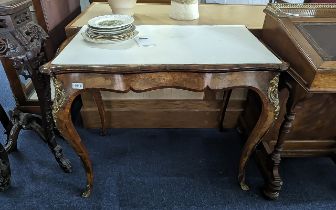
235,59
176,108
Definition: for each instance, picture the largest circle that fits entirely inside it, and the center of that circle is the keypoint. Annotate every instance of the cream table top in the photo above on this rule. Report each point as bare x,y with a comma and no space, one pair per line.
219,44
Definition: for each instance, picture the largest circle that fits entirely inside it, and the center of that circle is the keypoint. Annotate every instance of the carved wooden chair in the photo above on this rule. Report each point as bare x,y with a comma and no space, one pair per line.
53,16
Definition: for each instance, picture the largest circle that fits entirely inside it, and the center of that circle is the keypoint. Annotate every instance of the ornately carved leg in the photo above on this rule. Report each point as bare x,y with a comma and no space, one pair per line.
5,171
99,102
270,111
7,124
11,142
62,116
11,131
26,121
12,137
42,86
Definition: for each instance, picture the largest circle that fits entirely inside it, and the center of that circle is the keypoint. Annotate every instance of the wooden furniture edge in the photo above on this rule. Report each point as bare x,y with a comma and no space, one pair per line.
72,30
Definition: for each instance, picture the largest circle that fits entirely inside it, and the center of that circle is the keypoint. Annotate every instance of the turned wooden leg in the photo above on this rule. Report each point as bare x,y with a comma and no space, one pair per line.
270,163
226,99
101,109
270,110
274,183
62,116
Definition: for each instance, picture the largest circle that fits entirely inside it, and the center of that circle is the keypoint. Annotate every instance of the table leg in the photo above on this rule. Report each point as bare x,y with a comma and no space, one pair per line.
62,117
42,85
5,171
270,111
226,100
25,121
7,124
19,120
273,186
12,131
99,102
274,182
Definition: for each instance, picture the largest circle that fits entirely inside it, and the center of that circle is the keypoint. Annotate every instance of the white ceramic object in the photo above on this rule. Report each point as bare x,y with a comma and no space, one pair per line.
184,9
124,7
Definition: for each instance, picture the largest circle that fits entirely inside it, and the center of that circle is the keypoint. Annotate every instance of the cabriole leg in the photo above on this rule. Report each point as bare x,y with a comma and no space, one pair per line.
62,117
270,112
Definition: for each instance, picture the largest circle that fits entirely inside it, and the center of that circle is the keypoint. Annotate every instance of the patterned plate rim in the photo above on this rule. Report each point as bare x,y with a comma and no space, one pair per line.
107,41
131,28
124,18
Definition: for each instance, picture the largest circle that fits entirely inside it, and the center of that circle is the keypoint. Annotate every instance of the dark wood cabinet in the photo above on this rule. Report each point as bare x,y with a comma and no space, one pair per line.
306,40
303,36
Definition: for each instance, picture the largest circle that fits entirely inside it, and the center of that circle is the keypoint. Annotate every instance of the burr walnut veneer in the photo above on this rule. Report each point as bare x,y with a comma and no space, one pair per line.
175,61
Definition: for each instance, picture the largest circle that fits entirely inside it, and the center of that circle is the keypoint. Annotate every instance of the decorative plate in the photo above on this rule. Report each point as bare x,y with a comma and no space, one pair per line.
122,30
110,21
99,39
111,29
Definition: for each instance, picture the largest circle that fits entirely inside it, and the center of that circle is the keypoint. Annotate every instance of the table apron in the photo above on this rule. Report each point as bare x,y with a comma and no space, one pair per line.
197,82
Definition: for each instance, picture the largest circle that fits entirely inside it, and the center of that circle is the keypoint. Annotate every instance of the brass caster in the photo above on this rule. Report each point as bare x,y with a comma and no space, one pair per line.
87,192
242,183
272,190
271,195
244,186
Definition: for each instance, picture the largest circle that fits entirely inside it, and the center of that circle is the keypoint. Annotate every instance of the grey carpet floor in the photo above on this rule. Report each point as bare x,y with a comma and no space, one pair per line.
157,169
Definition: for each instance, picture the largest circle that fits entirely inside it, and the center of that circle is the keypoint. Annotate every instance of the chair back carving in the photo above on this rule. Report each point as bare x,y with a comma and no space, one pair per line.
53,16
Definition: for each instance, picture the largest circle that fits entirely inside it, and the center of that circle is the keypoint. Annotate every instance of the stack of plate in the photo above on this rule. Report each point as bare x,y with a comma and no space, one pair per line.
110,29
